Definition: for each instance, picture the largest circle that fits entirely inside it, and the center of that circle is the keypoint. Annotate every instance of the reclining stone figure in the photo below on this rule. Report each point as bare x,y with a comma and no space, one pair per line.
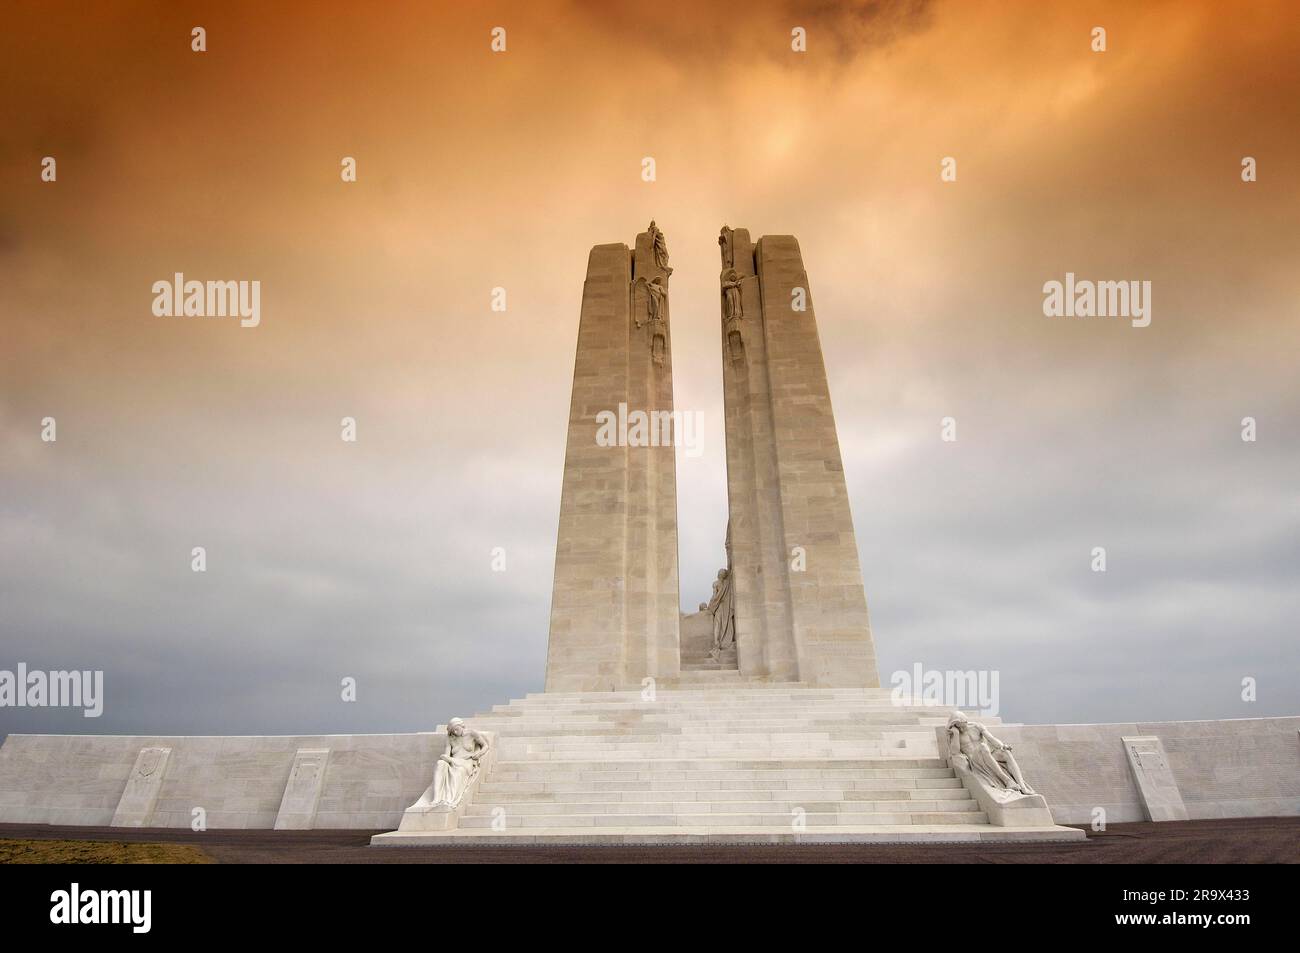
985,756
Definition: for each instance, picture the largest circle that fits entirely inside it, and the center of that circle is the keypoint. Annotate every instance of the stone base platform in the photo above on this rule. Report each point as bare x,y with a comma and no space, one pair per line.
883,834
716,758
710,758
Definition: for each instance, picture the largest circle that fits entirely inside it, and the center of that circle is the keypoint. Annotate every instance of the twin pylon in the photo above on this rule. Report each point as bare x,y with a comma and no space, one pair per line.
800,611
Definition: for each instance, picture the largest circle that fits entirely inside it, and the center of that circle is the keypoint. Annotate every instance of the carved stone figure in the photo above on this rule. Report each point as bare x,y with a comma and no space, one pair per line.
736,348
723,607
732,308
656,294
727,242
660,245
458,766
987,757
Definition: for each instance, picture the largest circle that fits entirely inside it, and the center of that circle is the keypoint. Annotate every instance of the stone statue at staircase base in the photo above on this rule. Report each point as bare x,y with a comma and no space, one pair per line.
456,774
989,771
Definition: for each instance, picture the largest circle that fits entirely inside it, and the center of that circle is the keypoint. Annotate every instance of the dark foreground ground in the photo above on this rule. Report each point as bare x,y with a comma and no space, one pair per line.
1246,840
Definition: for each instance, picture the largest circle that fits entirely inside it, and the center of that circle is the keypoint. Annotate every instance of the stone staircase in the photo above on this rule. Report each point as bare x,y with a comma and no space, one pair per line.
726,662
714,757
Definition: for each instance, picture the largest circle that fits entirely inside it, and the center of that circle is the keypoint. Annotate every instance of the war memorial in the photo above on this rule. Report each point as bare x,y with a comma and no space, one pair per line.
759,718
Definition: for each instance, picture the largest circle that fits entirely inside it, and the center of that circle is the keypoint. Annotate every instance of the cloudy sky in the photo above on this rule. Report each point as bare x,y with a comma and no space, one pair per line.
476,169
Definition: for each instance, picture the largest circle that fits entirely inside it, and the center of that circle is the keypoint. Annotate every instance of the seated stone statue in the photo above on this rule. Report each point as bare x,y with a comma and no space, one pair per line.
458,766
986,756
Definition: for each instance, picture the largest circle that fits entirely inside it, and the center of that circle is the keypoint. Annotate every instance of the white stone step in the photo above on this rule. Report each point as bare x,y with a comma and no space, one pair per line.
489,806
623,789
784,706
846,744
615,769
706,687
707,664
784,709
722,695
742,767
822,751
885,750
773,820
729,784
676,725
701,686
741,691
651,734
670,721
669,736
501,795
632,711
635,756
751,834
738,721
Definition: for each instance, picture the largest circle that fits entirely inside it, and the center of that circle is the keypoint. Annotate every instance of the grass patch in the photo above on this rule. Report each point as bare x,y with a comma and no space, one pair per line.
97,852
